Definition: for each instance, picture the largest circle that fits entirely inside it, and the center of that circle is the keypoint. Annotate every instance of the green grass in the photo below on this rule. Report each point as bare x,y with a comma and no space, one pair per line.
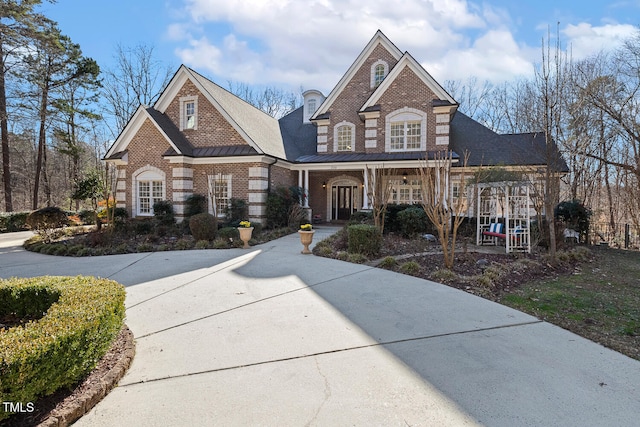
600,300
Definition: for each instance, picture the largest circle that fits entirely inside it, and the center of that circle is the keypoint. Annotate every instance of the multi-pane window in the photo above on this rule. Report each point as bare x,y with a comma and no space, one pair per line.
378,74
149,192
408,192
311,107
220,186
405,135
190,115
345,138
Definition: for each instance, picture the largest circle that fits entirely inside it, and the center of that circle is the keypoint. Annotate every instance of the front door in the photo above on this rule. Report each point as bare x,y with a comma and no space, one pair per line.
343,202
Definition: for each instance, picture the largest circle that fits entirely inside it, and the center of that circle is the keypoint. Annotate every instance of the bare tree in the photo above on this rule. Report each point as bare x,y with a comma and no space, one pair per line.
613,88
137,79
273,101
379,191
445,212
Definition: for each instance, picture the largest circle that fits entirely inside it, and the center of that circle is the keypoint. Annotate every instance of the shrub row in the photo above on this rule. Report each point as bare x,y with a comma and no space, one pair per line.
10,222
83,318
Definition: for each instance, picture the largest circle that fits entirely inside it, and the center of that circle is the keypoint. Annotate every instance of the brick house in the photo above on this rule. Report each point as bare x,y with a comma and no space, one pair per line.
385,112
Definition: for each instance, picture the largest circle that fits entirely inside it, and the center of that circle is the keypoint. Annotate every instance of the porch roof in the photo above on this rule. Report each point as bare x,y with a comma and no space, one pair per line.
371,157
218,151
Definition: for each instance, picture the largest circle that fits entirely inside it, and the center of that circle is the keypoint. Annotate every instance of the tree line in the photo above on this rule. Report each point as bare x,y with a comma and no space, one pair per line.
59,111
589,107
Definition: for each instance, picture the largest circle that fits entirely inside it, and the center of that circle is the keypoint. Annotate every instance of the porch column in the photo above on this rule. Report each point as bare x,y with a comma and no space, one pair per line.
365,195
300,172
306,188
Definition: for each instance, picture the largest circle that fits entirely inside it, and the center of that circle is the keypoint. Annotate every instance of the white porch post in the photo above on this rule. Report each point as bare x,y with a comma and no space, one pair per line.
365,196
300,184
306,188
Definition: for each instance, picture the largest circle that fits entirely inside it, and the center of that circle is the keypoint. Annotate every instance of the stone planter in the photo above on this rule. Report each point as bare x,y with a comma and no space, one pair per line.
245,235
306,237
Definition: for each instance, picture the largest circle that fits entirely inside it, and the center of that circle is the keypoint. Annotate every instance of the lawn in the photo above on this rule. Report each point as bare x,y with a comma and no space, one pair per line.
599,300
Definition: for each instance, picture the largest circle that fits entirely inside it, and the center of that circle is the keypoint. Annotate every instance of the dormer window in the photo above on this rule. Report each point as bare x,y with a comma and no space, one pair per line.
188,112
379,71
312,106
312,101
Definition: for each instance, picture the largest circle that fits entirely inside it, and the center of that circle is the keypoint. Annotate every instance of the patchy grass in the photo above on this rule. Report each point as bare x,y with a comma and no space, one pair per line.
599,300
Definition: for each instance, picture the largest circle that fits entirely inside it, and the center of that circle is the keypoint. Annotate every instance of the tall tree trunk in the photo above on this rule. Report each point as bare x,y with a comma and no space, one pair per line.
42,137
4,130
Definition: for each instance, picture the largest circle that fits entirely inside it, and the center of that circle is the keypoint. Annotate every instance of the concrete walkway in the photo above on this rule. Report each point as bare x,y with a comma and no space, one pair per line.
270,337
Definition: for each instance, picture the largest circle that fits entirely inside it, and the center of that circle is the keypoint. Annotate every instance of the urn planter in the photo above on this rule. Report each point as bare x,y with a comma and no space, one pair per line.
306,237
245,235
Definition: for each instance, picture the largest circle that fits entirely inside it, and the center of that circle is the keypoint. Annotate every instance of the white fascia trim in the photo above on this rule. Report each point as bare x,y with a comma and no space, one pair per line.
132,129
179,79
221,160
121,143
407,61
221,110
378,38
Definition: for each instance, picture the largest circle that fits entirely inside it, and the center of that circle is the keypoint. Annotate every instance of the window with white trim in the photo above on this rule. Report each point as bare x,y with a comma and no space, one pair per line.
344,136
188,112
406,130
219,194
149,192
408,193
379,71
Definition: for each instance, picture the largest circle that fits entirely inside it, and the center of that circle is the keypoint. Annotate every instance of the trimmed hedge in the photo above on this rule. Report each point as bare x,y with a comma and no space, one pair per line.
82,317
364,239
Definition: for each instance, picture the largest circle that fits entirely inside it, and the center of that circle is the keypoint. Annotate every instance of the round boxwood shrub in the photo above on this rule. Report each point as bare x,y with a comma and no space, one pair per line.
203,226
364,239
82,317
413,221
163,212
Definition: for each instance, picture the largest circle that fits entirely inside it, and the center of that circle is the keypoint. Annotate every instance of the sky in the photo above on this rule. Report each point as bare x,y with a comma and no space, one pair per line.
310,44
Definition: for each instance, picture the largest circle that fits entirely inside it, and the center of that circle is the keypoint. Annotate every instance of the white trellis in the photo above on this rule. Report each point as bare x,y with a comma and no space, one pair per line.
507,203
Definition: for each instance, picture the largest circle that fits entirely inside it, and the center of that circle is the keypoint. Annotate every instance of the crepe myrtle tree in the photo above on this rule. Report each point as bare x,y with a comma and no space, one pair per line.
444,211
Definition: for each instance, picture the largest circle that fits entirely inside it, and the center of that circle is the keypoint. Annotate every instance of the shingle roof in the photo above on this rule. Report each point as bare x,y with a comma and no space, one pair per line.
172,131
488,148
262,129
299,138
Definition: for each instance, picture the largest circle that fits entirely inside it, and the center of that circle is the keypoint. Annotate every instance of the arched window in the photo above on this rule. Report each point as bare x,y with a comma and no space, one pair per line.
379,71
344,137
149,188
406,130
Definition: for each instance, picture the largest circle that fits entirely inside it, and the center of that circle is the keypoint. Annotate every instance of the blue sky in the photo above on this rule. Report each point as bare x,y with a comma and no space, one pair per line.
309,44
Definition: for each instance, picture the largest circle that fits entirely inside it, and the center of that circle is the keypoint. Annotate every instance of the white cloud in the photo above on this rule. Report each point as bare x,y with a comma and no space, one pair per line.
311,43
585,40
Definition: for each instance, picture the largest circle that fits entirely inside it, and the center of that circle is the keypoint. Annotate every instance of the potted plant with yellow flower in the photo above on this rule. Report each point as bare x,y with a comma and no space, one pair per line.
306,237
245,229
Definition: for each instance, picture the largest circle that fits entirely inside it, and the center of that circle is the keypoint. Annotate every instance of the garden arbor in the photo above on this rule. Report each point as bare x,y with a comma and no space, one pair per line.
504,213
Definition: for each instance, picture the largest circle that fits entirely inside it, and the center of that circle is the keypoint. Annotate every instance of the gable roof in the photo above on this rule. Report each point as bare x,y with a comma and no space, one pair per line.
163,124
407,61
378,39
257,128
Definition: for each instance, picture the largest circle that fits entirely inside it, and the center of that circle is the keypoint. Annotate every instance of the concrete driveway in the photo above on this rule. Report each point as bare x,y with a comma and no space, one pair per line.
270,337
